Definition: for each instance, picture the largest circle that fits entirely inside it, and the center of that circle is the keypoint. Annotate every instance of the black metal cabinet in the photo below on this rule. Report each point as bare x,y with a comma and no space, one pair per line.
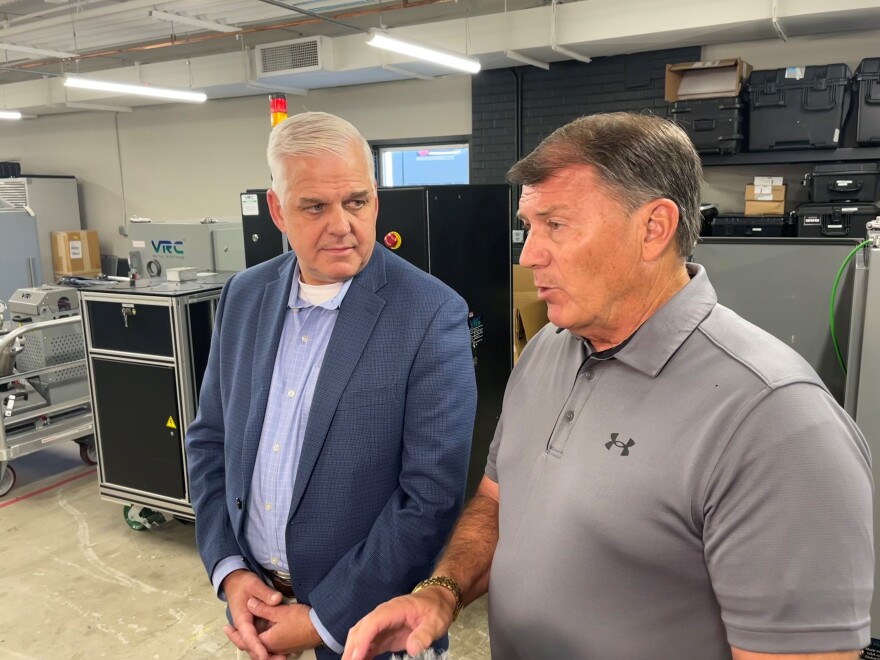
461,235
262,239
140,427
147,351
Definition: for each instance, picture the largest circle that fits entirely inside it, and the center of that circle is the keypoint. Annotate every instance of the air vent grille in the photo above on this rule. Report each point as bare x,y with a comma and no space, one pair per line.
14,192
293,56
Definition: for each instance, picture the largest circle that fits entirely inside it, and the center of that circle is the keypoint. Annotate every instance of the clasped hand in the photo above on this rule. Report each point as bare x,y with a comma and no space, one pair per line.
263,627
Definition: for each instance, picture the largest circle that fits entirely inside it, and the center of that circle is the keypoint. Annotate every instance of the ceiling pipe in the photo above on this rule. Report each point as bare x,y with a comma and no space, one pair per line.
403,4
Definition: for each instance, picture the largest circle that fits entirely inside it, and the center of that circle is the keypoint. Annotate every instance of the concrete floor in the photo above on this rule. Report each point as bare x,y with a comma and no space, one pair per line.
76,582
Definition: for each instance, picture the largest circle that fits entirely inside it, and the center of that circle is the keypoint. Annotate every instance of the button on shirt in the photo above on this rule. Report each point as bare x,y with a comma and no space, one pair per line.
304,339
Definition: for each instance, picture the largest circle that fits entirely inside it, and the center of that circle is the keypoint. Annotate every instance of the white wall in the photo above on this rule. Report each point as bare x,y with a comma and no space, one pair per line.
725,186
181,162
185,162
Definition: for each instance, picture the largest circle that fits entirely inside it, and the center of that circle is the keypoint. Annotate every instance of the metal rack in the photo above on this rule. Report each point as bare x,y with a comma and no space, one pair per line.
45,403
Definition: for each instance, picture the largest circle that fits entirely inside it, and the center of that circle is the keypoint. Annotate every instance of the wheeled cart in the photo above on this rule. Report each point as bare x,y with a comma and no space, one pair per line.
147,349
43,391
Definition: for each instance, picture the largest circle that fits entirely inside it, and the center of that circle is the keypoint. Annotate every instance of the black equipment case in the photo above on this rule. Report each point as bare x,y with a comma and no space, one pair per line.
866,87
834,220
798,107
747,225
844,182
715,126
10,169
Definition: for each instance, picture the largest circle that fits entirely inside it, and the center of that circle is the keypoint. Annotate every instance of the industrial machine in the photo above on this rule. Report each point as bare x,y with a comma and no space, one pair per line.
53,203
43,383
262,239
19,251
461,235
147,344
863,382
207,245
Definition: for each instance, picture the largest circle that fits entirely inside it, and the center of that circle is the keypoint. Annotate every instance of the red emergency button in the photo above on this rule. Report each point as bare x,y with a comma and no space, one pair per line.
393,240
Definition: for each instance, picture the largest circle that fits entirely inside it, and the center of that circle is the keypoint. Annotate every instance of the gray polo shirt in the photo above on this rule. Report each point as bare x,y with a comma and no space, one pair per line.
699,489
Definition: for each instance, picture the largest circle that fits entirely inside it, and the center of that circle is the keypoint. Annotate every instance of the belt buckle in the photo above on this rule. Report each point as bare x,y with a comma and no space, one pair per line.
281,581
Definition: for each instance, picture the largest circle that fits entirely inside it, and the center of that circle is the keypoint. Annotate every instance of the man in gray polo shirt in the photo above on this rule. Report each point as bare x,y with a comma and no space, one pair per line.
667,481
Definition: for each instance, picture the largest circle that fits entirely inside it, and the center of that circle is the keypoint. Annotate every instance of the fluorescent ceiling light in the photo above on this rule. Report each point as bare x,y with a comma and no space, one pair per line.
10,114
194,22
137,90
381,39
36,51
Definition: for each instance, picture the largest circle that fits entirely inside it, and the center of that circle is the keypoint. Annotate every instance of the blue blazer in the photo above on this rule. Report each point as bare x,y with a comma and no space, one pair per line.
384,461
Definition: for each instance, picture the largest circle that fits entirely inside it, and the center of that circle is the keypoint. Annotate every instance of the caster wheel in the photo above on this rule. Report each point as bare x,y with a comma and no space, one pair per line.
141,518
7,479
88,452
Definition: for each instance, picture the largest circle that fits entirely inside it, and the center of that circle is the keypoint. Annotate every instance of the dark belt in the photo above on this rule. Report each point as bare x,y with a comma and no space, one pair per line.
281,582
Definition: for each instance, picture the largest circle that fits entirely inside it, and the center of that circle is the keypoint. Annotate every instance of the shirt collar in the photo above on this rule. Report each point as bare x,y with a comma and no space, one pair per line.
295,302
653,344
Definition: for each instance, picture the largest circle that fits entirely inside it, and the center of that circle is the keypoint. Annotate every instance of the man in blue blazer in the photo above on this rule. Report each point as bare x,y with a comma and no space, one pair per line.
328,459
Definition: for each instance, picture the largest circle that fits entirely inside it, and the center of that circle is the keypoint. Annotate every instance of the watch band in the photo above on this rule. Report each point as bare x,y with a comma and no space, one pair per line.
447,583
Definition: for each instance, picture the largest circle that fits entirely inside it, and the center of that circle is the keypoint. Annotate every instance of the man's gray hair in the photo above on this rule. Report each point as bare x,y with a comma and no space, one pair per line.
639,157
314,134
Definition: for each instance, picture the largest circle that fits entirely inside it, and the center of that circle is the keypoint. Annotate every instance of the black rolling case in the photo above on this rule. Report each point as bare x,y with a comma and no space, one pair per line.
844,182
747,225
866,87
834,220
715,126
798,107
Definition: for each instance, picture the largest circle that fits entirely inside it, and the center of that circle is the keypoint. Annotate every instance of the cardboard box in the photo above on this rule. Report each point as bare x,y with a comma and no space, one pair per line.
765,200
705,80
76,253
529,312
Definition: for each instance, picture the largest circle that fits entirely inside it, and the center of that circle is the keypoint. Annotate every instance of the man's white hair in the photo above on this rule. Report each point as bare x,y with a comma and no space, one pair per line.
314,134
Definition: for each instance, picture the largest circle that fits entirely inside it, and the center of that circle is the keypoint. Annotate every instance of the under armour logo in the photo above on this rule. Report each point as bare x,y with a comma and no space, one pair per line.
619,443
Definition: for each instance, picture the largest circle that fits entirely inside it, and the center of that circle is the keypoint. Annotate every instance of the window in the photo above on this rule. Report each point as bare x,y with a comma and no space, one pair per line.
420,165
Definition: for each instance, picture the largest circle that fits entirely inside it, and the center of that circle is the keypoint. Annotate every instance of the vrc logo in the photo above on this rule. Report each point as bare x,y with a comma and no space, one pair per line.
167,247
614,442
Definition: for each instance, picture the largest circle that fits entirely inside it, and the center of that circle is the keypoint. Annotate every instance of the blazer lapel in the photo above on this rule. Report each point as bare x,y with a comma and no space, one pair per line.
267,336
358,315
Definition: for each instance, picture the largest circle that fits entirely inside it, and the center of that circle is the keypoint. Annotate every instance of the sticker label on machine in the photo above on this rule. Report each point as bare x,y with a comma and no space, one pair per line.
249,205
170,423
475,325
812,220
85,428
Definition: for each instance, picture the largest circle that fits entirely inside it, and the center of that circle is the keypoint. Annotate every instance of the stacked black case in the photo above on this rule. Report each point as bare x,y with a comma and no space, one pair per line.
746,225
866,88
844,182
834,220
798,107
715,126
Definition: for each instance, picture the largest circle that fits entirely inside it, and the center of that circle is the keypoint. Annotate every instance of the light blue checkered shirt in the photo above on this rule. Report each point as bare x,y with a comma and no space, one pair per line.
304,339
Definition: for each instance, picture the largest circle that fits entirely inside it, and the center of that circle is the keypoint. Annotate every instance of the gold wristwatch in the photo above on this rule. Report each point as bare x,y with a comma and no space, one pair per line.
447,583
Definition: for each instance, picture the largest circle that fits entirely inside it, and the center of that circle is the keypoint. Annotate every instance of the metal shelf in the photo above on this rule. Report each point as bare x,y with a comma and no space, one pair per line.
794,156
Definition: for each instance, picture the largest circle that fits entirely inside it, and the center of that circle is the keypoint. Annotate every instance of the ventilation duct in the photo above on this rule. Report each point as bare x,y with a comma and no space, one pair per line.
295,56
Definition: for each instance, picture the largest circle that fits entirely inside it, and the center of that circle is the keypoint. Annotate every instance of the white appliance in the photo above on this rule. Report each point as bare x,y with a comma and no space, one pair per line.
19,252
53,201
